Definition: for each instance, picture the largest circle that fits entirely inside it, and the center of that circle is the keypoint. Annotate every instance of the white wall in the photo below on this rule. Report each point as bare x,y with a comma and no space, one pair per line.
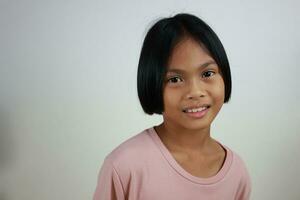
68,90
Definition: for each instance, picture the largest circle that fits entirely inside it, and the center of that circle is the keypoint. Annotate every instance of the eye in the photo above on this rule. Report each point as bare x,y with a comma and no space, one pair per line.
208,74
175,79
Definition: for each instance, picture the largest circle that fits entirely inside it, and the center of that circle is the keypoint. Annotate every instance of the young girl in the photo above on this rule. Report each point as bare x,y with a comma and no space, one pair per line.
184,75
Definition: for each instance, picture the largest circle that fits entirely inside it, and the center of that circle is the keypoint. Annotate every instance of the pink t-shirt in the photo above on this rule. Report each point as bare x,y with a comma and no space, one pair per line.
142,168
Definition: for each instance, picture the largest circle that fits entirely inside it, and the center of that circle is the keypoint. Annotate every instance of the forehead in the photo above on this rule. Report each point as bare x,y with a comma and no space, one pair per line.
188,54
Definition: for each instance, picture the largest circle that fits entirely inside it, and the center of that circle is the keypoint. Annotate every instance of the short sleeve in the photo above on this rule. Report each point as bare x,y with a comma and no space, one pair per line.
109,186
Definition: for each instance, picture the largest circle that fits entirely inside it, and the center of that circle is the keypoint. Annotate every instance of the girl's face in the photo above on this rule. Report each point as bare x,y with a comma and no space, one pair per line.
193,91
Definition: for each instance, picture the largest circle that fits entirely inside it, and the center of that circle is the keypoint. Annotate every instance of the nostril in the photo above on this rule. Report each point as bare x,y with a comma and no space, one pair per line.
195,96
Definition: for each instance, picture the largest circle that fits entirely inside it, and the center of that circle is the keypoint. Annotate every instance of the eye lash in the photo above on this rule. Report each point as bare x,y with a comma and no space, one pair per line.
208,71
173,77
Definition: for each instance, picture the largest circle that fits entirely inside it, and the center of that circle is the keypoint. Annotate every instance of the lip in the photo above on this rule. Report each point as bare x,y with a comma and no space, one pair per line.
198,114
195,107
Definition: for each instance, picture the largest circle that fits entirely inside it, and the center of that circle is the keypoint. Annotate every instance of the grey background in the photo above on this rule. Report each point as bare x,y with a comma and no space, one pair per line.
68,90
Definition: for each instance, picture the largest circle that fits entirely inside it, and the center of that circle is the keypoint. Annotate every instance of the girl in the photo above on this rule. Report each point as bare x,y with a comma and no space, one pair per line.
184,75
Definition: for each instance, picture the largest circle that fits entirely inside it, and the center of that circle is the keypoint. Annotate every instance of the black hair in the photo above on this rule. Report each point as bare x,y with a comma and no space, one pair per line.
157,48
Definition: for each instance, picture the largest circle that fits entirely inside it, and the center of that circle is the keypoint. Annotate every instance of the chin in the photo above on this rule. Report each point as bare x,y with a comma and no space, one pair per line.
196,125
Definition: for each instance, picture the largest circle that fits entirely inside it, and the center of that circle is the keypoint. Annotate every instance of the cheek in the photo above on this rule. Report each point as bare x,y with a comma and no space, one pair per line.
218,91
170,98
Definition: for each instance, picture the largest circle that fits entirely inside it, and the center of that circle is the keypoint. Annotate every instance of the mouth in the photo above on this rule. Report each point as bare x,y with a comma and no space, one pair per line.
196,112
196,109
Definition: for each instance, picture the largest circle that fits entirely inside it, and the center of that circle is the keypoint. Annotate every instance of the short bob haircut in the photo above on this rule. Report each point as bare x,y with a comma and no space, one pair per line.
157,48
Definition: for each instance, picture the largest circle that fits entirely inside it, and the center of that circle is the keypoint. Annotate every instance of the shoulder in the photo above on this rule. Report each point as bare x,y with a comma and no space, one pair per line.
240,172
238,166
240,163
121,165
131,151
234,160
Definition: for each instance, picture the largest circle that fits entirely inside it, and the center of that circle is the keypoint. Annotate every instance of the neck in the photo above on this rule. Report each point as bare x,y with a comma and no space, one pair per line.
185,140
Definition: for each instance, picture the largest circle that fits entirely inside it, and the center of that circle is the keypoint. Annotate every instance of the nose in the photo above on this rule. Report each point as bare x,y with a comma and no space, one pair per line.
195,90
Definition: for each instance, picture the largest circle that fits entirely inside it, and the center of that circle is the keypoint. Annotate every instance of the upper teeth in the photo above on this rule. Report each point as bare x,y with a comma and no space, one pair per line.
196,109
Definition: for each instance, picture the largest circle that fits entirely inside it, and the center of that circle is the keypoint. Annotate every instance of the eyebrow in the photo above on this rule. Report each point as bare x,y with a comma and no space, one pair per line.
206,64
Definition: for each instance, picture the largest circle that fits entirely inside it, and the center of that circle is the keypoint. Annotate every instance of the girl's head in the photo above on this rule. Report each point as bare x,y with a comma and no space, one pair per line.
182,65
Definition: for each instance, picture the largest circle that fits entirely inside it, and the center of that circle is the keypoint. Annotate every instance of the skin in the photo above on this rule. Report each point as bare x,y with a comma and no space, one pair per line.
193,78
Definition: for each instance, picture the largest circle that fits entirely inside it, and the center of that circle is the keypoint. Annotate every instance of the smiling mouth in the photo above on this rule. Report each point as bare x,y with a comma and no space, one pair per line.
196,109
